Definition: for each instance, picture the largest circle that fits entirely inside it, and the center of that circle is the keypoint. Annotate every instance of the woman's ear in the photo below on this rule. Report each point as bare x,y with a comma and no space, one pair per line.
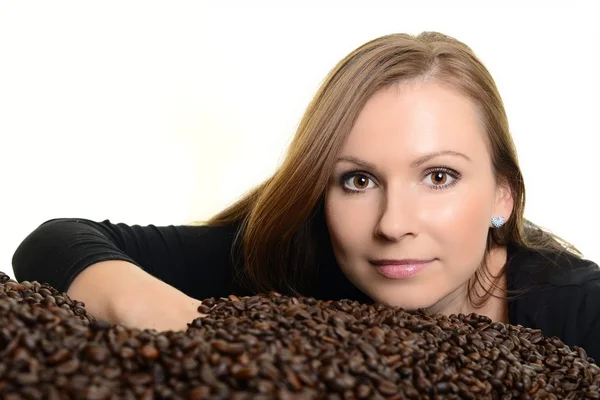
504,200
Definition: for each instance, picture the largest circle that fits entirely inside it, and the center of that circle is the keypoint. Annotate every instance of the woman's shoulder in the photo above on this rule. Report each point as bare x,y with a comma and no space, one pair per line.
551,267
557,292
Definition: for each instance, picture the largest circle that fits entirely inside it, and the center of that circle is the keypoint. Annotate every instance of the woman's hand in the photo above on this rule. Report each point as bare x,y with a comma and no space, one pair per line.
163,310
122,293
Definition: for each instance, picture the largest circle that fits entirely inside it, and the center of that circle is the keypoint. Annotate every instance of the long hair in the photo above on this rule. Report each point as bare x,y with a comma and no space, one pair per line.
281,221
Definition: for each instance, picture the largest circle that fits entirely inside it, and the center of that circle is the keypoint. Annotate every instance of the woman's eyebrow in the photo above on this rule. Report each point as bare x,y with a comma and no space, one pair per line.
421,160
427,157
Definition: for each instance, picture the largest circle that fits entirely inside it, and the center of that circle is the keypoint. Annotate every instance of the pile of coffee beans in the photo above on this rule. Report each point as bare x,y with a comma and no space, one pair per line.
276,347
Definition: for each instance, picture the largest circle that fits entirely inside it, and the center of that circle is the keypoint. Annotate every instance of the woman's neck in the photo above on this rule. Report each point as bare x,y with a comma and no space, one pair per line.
495,308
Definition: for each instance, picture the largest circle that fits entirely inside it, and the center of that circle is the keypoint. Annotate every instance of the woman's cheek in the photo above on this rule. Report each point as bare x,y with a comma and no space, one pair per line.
461,220
348,221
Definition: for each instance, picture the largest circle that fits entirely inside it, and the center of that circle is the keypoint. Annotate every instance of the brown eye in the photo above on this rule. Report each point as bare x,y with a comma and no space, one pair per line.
439,177
361,182
357,183
442,178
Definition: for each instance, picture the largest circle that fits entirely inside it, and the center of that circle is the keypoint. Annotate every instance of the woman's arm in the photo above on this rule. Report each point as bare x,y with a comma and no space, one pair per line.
122,293
116,269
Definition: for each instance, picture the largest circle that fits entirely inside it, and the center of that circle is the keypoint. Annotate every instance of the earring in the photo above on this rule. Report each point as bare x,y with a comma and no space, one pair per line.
497,222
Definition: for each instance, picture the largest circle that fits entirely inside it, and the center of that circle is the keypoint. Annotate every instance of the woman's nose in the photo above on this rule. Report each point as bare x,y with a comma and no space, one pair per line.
397,215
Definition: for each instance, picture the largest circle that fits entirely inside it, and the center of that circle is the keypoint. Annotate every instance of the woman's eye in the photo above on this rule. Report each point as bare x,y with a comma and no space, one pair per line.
356,182
441,178
359,182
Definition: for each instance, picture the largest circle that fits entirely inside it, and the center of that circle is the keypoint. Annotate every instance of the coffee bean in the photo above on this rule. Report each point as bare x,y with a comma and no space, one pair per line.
59,356
199,393
342,382
238,305
139,379
387,388
68,367
443,387
127,353
244,372
363,391
209,302
274,346
204,309
26,379
149,352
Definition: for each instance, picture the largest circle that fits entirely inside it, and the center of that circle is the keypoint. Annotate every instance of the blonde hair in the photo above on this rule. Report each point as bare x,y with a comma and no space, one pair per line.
281,222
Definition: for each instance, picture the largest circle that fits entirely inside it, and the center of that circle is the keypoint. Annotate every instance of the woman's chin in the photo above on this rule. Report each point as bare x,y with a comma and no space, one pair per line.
404,303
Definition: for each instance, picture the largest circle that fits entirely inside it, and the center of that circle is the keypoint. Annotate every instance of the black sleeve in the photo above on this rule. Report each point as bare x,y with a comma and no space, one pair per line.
194,259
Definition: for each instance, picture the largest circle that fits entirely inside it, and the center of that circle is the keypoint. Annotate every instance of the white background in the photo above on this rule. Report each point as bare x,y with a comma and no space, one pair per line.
163,113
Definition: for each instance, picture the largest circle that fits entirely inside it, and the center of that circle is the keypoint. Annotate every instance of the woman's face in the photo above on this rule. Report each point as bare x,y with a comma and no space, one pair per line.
414,182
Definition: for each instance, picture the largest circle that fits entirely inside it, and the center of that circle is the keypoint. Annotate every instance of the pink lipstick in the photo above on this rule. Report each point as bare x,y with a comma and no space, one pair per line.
400,269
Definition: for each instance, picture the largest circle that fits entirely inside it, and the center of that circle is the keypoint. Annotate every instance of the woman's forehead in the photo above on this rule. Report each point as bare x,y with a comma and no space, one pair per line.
417,120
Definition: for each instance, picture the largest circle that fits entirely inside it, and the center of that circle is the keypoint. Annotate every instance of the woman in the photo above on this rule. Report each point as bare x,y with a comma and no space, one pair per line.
401,186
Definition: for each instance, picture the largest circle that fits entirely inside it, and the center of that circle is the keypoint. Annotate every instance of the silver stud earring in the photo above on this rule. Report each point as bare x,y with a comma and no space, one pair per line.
497,222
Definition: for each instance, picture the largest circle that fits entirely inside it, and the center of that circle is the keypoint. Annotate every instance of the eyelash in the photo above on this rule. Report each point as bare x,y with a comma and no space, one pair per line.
454,174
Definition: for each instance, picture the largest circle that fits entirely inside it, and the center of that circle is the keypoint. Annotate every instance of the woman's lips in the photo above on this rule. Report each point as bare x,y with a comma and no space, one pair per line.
400,269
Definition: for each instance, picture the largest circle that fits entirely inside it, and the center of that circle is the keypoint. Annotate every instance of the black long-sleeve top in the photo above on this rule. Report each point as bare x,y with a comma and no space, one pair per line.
562,301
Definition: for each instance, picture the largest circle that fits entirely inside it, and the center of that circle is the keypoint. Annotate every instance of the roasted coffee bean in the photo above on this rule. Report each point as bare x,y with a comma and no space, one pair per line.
149,352
204,309
244,372
272,346
59,356
387,388
199,393
342,382
139,379
127,353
